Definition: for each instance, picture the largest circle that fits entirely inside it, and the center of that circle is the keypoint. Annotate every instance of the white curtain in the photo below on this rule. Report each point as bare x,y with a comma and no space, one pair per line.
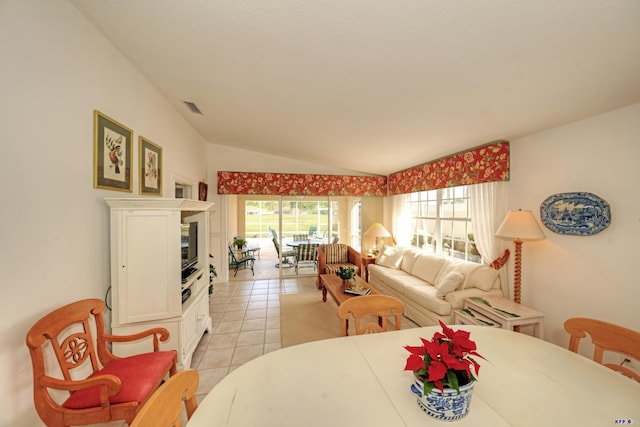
400,222
488,208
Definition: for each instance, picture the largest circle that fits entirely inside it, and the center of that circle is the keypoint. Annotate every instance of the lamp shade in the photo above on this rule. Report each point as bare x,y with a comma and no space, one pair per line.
377,230
520,225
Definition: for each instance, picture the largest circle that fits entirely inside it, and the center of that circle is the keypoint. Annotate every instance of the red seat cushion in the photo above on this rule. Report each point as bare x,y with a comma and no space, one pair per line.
139,375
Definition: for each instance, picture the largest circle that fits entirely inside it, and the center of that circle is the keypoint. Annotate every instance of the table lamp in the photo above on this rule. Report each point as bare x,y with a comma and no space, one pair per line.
519,225
378,231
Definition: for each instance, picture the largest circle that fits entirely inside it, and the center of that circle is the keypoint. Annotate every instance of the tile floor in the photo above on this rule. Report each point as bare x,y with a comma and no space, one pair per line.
246,325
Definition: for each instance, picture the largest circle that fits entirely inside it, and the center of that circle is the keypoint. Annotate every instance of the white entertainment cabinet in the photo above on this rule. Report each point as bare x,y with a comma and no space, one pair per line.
146,282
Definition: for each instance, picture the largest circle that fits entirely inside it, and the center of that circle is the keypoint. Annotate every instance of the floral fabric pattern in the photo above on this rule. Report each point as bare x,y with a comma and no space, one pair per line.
487,163
284,184
482,164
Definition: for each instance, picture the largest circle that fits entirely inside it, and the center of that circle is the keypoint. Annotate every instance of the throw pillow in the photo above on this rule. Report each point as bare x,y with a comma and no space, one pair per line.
483,278
390,257
426,267
408,259
449,283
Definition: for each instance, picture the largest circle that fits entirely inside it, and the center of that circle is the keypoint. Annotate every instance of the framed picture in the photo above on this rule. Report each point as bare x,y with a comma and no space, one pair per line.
111,153
150,167
202,191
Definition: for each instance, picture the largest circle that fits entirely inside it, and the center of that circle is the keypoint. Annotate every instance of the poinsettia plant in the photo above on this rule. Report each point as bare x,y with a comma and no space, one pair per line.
445,360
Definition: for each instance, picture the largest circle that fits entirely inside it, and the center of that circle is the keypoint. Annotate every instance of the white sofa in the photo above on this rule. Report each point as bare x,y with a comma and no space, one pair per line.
431,287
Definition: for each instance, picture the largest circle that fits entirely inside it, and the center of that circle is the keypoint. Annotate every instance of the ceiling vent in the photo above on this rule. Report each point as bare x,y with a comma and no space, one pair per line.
193,107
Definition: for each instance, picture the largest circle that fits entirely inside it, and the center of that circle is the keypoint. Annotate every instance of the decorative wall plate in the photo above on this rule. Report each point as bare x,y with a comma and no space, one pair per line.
581,214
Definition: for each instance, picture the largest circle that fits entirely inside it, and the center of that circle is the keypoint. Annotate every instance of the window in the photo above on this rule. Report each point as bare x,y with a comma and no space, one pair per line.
440,222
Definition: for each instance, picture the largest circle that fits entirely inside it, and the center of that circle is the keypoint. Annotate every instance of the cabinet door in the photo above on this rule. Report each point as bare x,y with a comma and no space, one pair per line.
148,285
190,333
203,313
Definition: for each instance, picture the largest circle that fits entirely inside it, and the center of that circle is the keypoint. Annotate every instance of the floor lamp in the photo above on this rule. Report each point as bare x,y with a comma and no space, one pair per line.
519,225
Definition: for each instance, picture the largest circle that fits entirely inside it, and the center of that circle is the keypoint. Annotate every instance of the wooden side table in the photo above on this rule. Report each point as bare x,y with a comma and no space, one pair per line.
498,312
366,260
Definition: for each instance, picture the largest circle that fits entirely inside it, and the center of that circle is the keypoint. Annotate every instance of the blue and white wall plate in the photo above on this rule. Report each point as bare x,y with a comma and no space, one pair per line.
581,214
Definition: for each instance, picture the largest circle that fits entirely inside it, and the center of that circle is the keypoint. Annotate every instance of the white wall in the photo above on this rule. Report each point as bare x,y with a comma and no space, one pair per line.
588,276
56,69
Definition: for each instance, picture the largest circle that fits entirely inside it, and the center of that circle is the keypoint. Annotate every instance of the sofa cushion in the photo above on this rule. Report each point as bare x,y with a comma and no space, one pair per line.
390,257
391,277
449,283
139,374
333,268
426,297
483,278
409,257
426,267
336,253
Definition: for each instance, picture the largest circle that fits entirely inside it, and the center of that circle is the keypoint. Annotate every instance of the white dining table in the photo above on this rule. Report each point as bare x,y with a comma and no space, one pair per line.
360,380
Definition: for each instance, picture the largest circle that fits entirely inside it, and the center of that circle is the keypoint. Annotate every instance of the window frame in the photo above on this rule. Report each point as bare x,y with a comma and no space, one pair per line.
431,213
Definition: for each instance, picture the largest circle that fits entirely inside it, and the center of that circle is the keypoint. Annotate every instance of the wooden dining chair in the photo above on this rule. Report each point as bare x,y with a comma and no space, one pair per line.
164,408
381,306
70,343
606,337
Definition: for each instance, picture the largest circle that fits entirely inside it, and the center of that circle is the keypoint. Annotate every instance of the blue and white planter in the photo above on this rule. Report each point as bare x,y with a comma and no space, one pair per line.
447,406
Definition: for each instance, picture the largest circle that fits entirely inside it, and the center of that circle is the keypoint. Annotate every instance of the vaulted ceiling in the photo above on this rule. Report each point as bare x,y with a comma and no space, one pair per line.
377,86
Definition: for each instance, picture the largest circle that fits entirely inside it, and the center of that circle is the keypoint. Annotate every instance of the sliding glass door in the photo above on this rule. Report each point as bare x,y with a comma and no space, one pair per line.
286,219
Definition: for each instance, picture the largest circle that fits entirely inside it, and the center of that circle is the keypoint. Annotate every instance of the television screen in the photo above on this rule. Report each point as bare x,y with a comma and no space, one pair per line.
189,242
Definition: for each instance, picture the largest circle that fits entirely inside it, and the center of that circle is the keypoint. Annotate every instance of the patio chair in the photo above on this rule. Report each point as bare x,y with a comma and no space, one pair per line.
285,255
306,253
246,260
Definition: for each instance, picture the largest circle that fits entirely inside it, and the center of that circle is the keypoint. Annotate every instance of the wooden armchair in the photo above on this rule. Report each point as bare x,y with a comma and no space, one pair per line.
380,306
113,388
606,337
333,256
165,406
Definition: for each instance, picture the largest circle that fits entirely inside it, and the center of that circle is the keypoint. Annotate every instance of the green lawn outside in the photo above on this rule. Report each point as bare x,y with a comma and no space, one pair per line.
258,225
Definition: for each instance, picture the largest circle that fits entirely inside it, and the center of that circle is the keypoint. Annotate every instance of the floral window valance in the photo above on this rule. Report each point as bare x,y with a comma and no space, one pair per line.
285,184
487,163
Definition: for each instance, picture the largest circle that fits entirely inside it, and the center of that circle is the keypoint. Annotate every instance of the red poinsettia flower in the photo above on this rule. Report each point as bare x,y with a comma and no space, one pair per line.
445,360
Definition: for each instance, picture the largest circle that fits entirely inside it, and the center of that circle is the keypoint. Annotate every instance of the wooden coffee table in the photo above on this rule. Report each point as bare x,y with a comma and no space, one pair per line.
335,287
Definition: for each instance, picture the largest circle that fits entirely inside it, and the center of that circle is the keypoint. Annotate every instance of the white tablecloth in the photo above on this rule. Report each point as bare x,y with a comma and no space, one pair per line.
360,380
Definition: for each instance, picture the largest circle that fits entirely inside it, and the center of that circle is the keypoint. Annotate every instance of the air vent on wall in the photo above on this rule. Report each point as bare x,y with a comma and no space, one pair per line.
193,107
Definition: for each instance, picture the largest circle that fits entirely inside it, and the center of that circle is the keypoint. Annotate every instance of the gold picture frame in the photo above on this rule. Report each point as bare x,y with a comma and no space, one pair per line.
150,155
111,153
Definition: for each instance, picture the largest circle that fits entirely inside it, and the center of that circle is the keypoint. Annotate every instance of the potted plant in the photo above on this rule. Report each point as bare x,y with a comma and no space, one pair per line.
212,273
239,242
346,273
442,370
